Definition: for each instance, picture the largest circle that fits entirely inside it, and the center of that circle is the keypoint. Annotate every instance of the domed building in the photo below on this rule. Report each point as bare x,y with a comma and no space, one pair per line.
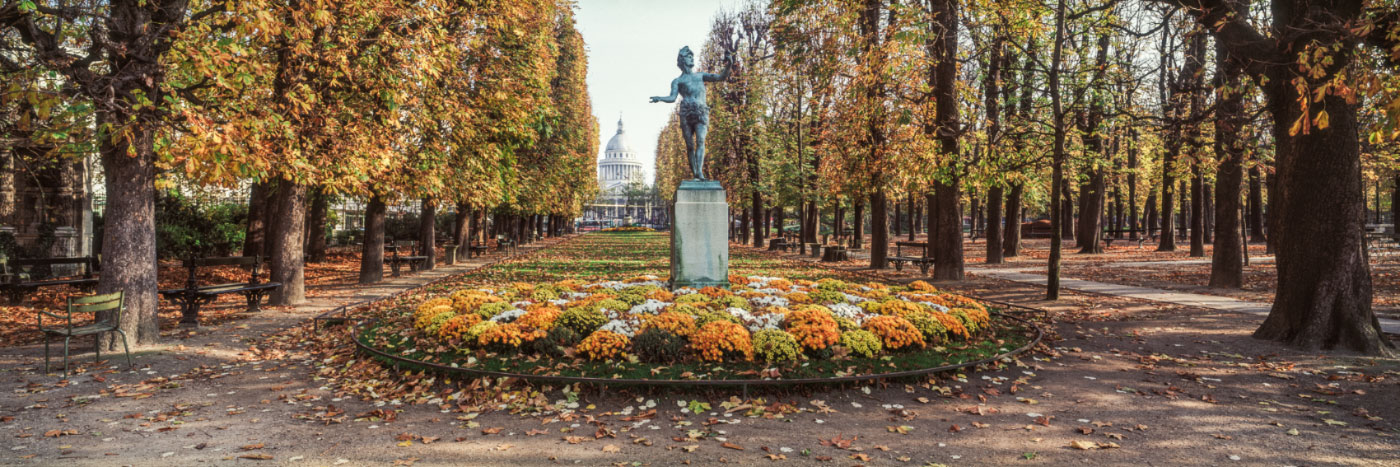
624,196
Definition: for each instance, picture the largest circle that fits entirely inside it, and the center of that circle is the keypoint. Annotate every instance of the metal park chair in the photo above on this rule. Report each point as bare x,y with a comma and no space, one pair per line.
103,322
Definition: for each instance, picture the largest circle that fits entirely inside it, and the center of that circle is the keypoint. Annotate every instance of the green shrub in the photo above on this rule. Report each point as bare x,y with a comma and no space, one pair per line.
774,346
712,316
187,228
826,296
861,342
692,299
582,320
733,301
492,309
656,345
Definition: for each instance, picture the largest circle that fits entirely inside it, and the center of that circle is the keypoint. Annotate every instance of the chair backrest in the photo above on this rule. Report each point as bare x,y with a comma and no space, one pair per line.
112,302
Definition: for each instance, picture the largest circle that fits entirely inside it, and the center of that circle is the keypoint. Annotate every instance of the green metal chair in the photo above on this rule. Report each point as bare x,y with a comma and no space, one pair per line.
105,322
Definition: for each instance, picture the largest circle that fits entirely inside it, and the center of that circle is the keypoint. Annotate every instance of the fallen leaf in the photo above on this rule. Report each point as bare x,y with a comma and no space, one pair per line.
611,448
732,446
257,456
251,447
1083,445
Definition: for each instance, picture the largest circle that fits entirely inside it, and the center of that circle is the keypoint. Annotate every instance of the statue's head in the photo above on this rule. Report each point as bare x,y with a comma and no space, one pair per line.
685,59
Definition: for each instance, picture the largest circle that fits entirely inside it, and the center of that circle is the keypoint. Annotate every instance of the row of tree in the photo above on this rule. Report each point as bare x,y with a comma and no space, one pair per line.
473,104
1094,113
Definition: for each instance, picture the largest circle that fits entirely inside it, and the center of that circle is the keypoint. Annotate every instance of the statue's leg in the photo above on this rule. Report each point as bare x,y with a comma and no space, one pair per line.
688,134
701,130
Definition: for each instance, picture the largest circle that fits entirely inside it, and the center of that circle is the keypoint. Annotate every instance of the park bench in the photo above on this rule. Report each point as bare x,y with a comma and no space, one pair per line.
923,261
476,249
503,242
1108,237
777,244
193,295
834,254
22,277
110,321
1379,244
397,260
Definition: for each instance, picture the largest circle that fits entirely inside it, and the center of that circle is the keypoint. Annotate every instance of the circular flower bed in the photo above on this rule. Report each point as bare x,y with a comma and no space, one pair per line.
762,327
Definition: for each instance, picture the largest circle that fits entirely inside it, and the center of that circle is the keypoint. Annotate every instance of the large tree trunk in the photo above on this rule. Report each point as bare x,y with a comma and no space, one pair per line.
316,227
255,235
1227,255
288,241
1323,297
1395,203
427,232
462,227
1011,242
129,235
947,243
994,197
372,255
879,231
1067,224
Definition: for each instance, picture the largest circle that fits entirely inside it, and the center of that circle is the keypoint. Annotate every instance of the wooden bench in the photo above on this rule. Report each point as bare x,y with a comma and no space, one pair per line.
1380,244
502,243
397,260
1108,237
777,244
24,276
194,295
834,254
923,261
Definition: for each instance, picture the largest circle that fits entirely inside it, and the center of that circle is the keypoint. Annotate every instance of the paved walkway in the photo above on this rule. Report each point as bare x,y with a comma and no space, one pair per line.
1158,295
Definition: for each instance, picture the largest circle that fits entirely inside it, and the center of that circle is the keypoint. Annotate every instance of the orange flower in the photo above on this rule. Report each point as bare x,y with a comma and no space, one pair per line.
813,327
715,339
895,332
673,322
603,345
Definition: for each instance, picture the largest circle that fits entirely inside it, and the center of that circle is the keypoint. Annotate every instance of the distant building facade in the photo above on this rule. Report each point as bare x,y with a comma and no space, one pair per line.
624,196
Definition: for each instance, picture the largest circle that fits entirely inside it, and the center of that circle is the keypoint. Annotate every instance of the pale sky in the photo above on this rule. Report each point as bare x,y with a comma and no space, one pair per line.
632,47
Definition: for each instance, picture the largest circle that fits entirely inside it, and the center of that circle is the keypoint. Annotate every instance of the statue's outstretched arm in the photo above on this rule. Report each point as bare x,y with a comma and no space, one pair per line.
728,66
675,90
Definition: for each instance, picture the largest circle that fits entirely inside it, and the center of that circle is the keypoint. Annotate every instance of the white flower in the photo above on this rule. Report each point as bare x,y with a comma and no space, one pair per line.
854,298
848,311
624,327
935,306
508,315
649,307
576,295
769,301
522,304
559,302
771,291
684,291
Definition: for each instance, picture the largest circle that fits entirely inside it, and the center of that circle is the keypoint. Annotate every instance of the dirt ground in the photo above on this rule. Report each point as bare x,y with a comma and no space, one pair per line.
1134,382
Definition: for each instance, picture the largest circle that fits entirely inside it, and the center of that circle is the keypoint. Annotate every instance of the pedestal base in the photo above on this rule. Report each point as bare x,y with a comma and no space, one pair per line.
700,236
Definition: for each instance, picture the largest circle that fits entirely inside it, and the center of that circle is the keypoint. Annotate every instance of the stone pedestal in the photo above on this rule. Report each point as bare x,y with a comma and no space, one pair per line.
699,237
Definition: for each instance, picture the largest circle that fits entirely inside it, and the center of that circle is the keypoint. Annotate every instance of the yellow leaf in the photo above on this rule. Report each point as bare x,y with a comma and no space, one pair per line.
1321,121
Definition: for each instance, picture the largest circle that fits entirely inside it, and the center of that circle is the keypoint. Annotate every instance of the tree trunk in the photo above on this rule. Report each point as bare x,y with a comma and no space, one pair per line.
287,241
858,224
427,232
760,220
372,251
462,227
1323,296
129,235
879,231
1227,255
1132,188
1151,226
1067,224
1256,205
1011,242
316,227
994,199
255,234
744,226
947,243
1198,213
1090,217
271,216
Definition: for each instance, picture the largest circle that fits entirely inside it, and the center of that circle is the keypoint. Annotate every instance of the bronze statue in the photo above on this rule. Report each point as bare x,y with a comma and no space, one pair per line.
695,115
